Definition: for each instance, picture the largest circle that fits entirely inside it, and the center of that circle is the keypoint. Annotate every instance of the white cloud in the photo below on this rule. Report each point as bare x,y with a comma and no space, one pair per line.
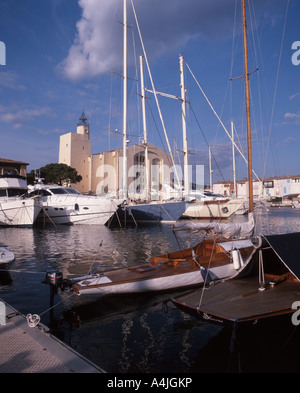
292,116
293,96
93,51
9,79
166,25
18,116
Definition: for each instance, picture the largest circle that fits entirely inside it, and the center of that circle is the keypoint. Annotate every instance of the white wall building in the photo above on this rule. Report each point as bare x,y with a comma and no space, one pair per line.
272,187
102,173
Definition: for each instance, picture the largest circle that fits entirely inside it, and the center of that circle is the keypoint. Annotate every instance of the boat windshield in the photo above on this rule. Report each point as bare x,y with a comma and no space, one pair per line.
62,190
40,192
70,190
211,194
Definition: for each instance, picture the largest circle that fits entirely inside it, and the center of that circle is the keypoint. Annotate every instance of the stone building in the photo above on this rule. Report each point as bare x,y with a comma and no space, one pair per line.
102,173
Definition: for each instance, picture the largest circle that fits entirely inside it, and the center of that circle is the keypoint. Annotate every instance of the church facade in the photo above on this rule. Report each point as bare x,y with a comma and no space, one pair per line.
102,173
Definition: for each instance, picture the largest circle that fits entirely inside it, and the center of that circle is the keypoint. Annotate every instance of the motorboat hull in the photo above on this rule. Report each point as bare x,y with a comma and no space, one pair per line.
76,210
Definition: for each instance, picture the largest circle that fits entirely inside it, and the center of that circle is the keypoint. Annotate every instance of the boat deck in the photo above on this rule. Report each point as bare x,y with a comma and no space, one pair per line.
25,349
149,272
240,300
174,264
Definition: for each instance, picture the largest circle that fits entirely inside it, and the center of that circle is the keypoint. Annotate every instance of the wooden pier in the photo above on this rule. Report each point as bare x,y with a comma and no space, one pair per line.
25,349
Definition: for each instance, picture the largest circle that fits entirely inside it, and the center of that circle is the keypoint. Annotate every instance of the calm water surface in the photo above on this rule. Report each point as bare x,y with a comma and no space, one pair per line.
134,333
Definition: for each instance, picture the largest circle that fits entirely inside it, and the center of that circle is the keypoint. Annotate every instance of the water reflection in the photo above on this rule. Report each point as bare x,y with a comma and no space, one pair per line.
133,333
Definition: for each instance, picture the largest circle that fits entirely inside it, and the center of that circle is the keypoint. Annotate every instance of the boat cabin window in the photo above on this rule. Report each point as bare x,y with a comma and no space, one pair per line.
57,190
40,192
12,192
212,194
3,193
9,171
66,190
70,190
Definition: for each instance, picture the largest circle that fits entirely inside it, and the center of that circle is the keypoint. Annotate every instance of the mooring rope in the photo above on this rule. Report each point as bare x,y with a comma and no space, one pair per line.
34,319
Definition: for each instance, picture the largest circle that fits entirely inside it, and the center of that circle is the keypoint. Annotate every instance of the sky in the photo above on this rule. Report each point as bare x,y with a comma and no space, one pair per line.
66,56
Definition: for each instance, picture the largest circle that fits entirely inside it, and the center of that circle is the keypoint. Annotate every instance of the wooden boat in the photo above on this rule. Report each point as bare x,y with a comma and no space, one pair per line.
212,259
268,286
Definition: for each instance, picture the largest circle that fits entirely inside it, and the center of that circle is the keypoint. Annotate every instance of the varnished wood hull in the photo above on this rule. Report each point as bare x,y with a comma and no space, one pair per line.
167,272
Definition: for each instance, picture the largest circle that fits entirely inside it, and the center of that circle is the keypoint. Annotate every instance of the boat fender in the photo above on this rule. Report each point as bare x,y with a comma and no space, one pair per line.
257,241
236,259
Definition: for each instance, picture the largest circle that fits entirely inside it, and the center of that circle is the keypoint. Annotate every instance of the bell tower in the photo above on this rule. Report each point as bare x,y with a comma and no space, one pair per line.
83,126
75,151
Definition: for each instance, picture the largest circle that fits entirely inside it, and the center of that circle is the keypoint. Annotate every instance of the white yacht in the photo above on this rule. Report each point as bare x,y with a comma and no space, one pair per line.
16,208
65,205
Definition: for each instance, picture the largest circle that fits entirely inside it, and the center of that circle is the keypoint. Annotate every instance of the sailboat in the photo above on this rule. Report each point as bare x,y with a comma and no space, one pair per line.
223,250
214,207
268,285
152,211
211,259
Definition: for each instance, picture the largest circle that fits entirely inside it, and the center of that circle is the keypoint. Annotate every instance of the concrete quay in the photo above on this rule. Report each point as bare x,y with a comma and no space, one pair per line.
25,349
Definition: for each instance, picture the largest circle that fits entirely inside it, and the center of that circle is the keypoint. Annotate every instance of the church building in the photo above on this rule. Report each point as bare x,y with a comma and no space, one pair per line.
102,173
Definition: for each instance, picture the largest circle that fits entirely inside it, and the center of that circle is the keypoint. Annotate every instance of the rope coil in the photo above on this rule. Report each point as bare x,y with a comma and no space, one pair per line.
33,320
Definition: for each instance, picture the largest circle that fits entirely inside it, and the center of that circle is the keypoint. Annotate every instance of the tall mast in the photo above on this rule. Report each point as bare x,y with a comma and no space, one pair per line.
210,170
185,143
233,161
248,110
125,191
145,129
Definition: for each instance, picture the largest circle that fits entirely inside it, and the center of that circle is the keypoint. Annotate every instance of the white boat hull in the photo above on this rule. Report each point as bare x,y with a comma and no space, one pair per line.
76,210
19,212
216,209
169,282
180,269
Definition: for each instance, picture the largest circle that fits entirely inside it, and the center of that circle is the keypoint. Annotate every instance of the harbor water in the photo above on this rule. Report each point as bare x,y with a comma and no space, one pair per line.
141,333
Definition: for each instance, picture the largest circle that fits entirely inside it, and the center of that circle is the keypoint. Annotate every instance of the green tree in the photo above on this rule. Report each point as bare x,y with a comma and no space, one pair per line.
56,174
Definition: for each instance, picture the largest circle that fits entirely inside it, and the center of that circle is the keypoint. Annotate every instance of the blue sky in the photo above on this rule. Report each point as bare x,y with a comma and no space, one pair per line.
60,55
